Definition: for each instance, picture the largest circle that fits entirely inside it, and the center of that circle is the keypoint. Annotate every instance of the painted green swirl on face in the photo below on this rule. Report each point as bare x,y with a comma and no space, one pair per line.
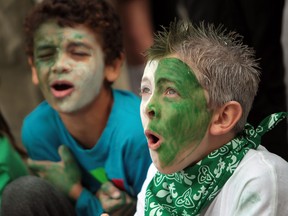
180,106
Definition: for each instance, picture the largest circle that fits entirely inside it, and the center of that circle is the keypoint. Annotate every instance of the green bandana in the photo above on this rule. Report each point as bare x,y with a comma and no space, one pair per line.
189,191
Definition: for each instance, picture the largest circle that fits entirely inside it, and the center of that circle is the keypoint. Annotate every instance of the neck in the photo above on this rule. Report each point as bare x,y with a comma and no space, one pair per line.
216,142
87,124
211,143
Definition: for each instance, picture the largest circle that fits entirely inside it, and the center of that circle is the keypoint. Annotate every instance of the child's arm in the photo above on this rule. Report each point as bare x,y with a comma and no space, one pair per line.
66,176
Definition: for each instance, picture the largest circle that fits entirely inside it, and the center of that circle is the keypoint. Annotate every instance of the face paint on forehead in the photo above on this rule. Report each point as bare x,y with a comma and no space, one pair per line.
52,33
176,71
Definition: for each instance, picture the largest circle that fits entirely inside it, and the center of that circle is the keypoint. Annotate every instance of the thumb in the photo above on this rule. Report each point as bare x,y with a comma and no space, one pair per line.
66,155
111,190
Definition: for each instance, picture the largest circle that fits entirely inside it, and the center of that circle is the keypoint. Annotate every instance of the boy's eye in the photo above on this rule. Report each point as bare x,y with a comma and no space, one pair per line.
171,91
45,56
79,52
145,90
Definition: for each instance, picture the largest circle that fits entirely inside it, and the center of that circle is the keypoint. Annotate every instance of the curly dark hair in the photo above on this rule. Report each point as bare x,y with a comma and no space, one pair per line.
98,15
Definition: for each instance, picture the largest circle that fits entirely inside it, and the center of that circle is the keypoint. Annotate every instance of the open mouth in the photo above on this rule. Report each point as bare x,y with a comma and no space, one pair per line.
61,89
154,140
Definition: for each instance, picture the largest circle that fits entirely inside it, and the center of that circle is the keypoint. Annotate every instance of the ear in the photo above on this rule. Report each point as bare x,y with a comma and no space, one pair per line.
225,118
112,71
34,73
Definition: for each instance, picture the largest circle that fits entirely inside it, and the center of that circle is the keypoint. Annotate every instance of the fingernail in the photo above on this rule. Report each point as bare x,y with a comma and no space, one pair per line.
116,194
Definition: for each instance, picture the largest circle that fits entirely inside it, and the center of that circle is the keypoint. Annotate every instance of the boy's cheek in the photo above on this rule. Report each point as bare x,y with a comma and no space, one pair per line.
143,116
144,120
34,77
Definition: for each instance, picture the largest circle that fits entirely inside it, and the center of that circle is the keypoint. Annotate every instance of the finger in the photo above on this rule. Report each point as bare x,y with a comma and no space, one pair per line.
45,163
36,166
111,190
66,155
110,204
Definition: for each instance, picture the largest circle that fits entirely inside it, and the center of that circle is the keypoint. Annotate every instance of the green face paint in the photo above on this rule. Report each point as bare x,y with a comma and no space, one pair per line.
180,114
70,66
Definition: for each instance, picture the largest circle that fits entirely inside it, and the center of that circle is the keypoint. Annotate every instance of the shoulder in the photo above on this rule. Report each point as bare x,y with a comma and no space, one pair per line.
125,123
40,113
262,168
40,121
259,185
40,132
126,114
127,100
261,162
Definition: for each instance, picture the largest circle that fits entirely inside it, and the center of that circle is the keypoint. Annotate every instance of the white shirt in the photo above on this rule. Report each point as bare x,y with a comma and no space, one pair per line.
258,187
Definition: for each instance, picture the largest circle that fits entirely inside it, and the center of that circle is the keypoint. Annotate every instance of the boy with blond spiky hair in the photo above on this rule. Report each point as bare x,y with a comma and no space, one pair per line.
197,90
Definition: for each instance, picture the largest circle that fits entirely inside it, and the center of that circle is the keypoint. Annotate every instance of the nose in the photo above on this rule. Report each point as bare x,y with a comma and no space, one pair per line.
61,64
151,111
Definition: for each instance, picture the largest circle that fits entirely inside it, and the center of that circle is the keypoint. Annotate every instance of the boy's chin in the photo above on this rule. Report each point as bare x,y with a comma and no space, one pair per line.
173,168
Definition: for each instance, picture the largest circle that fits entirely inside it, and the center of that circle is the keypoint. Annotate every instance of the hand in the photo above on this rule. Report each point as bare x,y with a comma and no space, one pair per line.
64,175
114,201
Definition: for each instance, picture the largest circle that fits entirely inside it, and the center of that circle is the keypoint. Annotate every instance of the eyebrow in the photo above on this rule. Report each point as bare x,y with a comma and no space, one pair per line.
164,80
168,74
43,47
78,44
70,45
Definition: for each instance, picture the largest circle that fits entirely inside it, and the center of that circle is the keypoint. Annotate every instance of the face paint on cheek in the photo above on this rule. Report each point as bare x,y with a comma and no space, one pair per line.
46,52
186,116
88,78
42,73
95,74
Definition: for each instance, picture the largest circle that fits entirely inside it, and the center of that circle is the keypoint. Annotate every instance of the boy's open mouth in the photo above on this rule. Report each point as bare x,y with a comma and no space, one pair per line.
154,140
61,89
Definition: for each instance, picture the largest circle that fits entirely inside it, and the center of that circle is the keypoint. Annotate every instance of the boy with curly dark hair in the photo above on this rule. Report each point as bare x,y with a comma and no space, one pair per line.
75,51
